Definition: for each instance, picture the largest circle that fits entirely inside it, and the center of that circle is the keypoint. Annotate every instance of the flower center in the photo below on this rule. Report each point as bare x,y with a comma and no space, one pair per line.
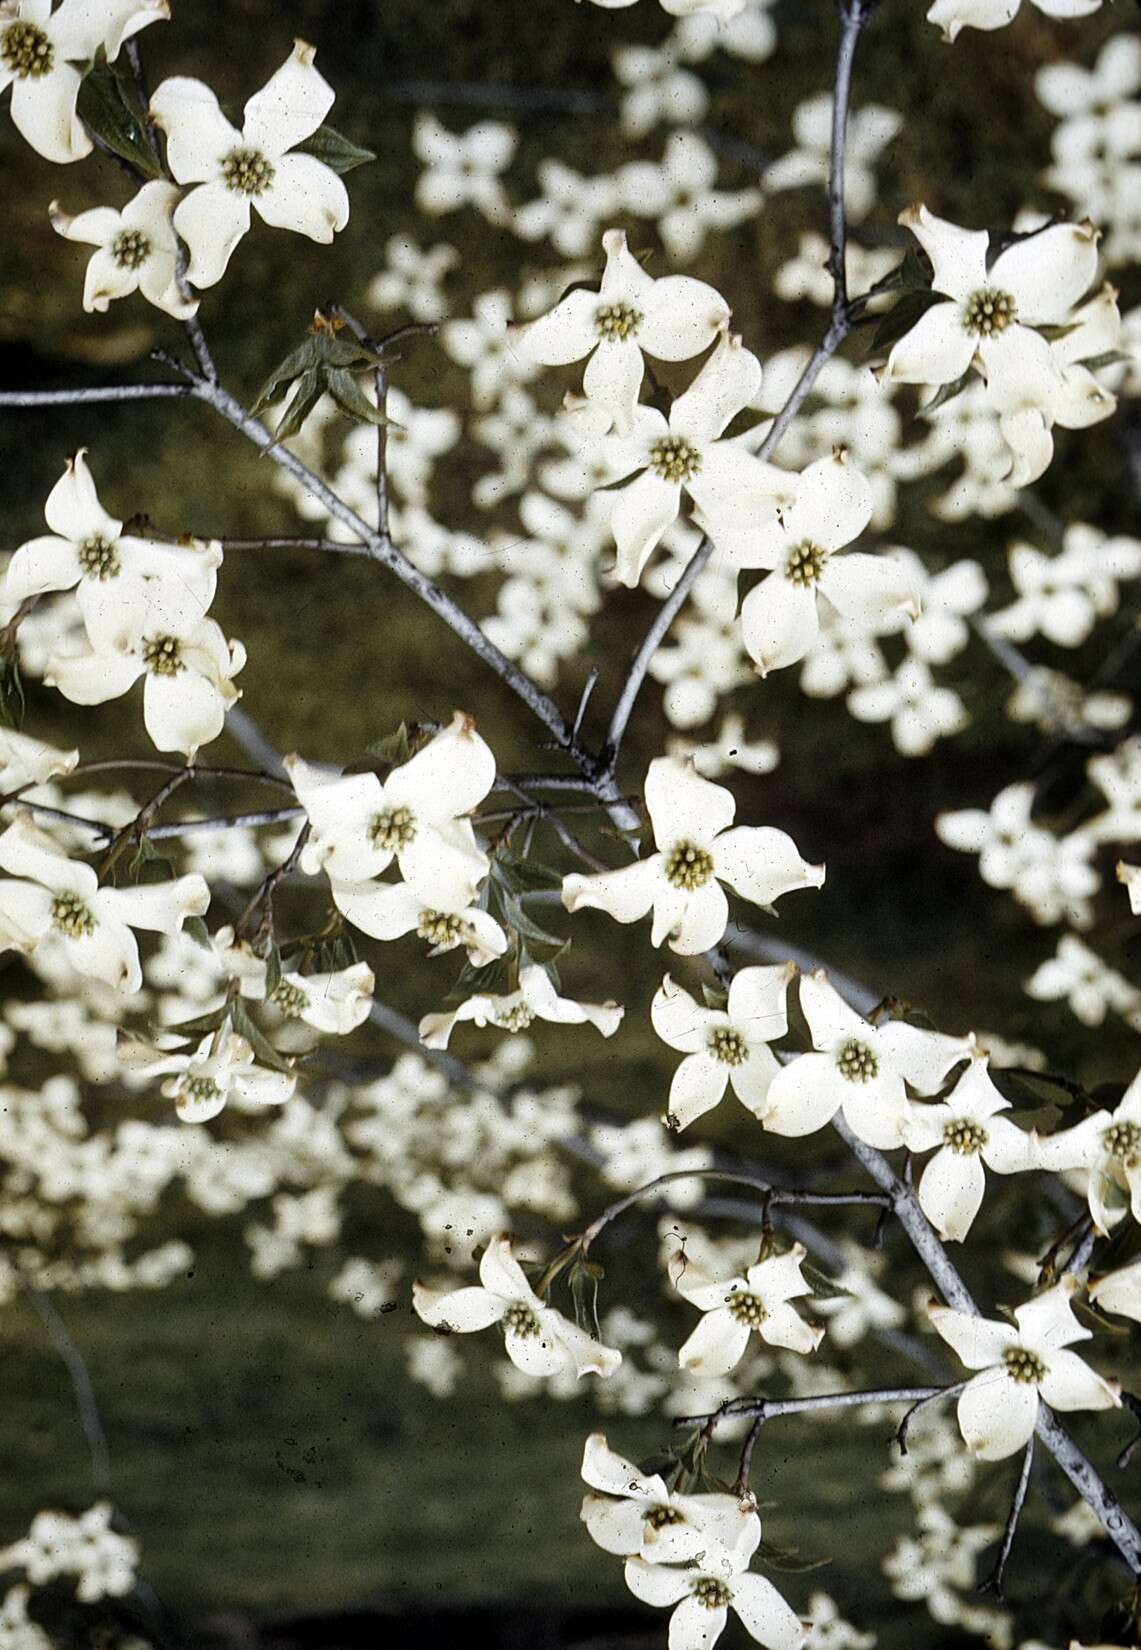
658,1517
72,917
857,1062
27,51
97,558
674,458
392,829
747,1309
442,929
712,1593
290,999
805,563
688,866
520,1320
728,1046
965,1137
1024,1367
247,172
617,321
1123,1141
516,1018
130,249
988,312
198,1088
162,656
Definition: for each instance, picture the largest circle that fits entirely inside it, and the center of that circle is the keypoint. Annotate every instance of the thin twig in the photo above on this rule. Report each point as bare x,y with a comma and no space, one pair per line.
101,392
993,1582
80,1377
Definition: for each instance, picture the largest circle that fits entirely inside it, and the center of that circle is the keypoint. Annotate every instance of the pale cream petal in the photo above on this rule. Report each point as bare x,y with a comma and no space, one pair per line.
761,863
211,220
306,196
290,106
461,1310
958,256
198,135
716,1346
996,1415
683,807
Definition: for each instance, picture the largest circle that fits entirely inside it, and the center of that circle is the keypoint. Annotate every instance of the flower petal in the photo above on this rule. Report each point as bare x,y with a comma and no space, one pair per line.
979,1343
565,334
643,509
997,1415
1048,272
804,1096
951,1192
717,1345
937,350
958,256
684,807
779,622
613,380
761,863
198,135
698,1084
290,106
306,196
765,1614
626,895
1070,1383
679,1019
211,220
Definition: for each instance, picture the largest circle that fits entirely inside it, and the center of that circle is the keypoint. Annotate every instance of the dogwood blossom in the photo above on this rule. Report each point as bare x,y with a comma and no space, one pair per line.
256,167
535,999
539,1340
90,552
1090,987
412,279
723,10
859,1068
947,599
1018,1365
51,897
634,1514
831,506
704,1595
721,1046
661,92
680,192
1107,1145
1062,596
42,53
696,850
137,250
671,318
222,1068
954,15
417,816
463,169
869,132
920,712
335,1002
569,210
389,910
969,1132
1119,1292
736,1307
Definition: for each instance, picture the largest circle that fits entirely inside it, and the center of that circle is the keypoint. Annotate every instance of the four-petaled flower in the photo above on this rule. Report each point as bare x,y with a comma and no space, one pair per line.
695,852
729,1045
535,999
705,1593
998,1409
672,319
236,170
137,250
539,1340
1108,1146
735,1307
222,1068
634,1514
389,910
969,1132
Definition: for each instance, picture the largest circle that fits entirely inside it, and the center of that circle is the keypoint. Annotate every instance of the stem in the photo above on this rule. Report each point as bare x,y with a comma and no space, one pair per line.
74,1363
102,392
994,1580
769,1409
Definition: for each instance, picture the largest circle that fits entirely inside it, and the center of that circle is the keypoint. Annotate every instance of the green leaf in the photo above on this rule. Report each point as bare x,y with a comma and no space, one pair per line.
584,1278
347,393
1108,358
523,925
198,931
946,392
526,876
334,151
822,1286
272,970
394,749
307,392
12,701
109,107
296,362
788,1559
490,979
264,1052
200,1027
323,364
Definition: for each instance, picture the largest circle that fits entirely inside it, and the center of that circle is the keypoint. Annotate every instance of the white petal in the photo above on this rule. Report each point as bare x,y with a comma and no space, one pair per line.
40,565
588,1356
161,907
290,106
611,1474
977,1342
778,622
684,807
758,999
937,349
679,1019
717,1345
951,1192
306,196
386,910
958,256
698,1084
625,895
655,1584
461,1310
997,1415
877,1111
692,921
43,112
727,382
198,135
615,1526
613,380
877,594
805,1096
784,1327
211,220
1071,1384
73,509
444,864
766,1616
681,317
833,504
643,509
693,1626
183,712
1047,273
566,333
761,863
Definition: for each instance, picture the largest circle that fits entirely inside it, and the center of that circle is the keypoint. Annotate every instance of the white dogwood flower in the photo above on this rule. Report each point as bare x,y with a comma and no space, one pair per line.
539,1340
954,15
335,1002
89,551
870,130
255,167
672,319
42,53
137,250
220,1069
729,1045
1017,1366
832,504
859,1068
389,910
1107,1145
463,169
157,631
634,1514
681,192
969,1132
695,852
735,1307
1119,1292
919,710
48,895
535,999
705,1593
417,816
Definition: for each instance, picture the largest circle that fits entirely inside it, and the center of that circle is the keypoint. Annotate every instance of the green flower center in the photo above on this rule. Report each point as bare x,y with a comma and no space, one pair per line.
857,1062
247,172
198,1088
728,1046
97,558
1123,1141
290,999
617,321
392,829
674,458
659,1517
72,916
747,1309
965,1137
712,1593
688,866
27,51
520,1320
162,656
516,1018
1024,1367
130,249
805,563
988,312
441,929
